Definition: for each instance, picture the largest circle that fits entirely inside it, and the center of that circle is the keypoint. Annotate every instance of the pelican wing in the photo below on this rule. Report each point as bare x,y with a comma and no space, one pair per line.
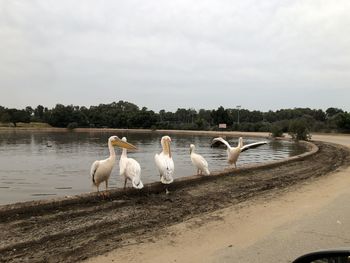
165,166
122,165
203,161
252,145
133,168
199,161
93,170
133,171
219,139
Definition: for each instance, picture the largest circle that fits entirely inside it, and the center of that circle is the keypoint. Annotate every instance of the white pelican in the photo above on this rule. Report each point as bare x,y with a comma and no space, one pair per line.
233,152
130,169
199,161
101,170
164,162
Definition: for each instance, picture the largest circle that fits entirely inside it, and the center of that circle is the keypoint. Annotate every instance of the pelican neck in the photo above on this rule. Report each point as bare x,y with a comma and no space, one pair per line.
111,149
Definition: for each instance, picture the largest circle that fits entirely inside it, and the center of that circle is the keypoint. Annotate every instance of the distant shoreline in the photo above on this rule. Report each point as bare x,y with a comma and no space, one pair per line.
188,132
183,132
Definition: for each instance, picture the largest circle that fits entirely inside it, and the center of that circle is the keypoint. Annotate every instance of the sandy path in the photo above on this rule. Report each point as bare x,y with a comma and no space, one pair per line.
264,229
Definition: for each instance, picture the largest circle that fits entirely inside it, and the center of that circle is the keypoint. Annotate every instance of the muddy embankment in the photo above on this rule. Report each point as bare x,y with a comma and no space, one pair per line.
72,229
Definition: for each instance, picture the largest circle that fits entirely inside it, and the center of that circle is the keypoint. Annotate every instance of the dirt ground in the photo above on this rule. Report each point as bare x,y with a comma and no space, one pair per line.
76,232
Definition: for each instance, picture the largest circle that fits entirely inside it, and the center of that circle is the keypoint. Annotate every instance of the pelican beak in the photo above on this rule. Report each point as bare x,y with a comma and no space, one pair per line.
123,144
168,144
167,149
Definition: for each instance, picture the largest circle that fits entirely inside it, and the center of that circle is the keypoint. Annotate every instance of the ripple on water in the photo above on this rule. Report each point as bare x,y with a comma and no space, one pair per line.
43,194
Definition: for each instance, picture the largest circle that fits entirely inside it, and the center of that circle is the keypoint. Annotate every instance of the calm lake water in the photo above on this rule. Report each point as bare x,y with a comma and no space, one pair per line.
38,165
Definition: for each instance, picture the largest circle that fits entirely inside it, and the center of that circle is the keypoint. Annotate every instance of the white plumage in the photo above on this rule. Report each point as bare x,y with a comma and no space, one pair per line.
130,169
164,162
198,161
101,170
234,152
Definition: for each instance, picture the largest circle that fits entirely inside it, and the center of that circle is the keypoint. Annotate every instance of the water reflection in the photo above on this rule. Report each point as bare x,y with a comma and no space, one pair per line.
29,169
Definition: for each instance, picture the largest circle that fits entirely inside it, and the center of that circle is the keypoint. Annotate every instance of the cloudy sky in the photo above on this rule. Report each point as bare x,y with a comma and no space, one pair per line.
167,54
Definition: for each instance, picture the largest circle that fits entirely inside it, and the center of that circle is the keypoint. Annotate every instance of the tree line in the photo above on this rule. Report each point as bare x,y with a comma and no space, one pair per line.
124,114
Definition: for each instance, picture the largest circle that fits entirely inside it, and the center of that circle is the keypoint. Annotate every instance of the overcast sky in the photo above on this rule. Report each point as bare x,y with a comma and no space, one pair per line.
262,55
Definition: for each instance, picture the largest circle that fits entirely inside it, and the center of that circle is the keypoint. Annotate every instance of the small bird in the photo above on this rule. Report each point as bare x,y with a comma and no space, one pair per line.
130,169
101,170
234,152
165,163
198,161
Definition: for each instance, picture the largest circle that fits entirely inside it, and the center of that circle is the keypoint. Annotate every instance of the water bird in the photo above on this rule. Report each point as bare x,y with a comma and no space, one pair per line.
165,163
234,152
101,170
130,169
198,161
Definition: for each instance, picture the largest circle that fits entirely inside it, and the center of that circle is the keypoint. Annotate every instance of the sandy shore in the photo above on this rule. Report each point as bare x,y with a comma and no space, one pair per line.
226,235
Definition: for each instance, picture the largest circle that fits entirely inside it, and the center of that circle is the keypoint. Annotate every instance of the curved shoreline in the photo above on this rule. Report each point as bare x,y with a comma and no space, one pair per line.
155,187
150,187
77,231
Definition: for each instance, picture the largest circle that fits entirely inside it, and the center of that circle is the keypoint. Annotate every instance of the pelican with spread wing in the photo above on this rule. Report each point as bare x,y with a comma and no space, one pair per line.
234,152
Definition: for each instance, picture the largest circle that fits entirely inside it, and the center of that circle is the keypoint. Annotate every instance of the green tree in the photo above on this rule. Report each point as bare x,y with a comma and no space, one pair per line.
14,116
276,130
221,115
330,112
39,113
29,110
343,121
299,129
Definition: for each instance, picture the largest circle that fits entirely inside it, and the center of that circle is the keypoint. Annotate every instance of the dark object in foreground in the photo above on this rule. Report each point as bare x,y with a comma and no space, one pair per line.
325,256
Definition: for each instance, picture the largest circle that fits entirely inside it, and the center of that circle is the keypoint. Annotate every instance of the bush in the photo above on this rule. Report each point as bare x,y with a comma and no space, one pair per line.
299,130
343,122
276,131
72,125
319,126
262,126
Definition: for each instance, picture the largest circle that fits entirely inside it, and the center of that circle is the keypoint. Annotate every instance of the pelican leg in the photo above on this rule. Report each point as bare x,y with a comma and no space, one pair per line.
107,191
100,194
166,189
125,183
197,171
